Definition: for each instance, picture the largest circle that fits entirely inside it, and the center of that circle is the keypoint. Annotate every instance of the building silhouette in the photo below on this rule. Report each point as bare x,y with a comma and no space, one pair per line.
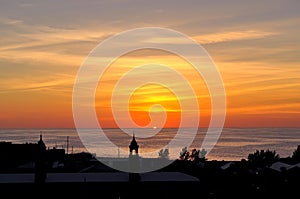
133,146
134,160
40,162
29,157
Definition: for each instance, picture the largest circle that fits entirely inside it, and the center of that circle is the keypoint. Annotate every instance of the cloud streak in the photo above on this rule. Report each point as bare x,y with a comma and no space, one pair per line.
233,36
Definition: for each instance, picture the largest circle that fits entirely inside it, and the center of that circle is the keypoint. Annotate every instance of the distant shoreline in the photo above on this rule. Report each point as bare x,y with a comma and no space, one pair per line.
233,145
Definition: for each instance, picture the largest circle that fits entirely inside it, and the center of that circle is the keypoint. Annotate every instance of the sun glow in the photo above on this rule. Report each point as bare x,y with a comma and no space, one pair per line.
146,102
152,100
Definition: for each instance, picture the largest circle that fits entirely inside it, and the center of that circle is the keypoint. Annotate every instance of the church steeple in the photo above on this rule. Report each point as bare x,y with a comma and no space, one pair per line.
40,162
133,145
41,143
134,161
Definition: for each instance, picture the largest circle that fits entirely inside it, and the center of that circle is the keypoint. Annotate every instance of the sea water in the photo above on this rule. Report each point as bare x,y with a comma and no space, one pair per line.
233,144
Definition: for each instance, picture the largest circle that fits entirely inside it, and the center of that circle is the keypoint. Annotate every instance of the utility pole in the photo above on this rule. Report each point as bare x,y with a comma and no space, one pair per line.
67,144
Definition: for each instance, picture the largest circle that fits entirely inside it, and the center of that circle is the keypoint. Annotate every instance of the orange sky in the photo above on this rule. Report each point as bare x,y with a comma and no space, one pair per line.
255,46
144,97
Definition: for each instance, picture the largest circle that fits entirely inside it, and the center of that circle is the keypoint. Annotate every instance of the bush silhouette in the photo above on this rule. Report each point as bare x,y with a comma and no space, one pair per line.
296,154
194,156
263,157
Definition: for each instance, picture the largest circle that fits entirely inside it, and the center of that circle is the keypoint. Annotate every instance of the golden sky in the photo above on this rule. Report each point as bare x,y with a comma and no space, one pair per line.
254,44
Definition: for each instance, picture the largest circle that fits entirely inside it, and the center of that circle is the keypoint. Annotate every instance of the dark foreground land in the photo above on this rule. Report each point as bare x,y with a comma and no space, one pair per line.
240,180
54,174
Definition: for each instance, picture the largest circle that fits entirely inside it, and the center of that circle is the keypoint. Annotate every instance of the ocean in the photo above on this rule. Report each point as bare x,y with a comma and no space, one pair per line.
233,144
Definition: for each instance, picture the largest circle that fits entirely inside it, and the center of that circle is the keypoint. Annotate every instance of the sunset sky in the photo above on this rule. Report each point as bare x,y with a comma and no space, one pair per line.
255,45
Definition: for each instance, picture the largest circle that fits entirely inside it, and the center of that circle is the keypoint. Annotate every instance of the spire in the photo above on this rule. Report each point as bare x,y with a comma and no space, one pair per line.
41,142
133,145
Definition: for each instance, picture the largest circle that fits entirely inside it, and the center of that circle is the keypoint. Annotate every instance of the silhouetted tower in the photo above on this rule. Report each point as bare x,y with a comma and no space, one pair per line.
40,162
41,144
134,161
133,146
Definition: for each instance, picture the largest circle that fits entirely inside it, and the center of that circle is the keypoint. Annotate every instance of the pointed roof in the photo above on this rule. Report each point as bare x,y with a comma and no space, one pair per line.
133,143
41,142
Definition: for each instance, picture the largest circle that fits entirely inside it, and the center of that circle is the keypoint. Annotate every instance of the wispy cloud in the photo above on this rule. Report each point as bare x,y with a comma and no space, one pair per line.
215,37
11,21
290,108
55,84
232,36
47,44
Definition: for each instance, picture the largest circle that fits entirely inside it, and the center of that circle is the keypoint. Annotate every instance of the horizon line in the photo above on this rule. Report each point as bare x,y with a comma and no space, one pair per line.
227,127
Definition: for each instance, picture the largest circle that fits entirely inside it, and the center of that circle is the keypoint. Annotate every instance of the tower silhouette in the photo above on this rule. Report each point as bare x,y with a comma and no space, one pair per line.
40,162
134,161
133,146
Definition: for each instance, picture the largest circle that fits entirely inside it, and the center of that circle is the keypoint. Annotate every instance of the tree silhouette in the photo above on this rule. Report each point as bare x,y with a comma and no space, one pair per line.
202,153
296,154
163,153
184,154
263,157
194,156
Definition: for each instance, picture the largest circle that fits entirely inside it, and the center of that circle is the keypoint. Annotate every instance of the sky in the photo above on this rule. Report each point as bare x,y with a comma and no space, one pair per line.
255,45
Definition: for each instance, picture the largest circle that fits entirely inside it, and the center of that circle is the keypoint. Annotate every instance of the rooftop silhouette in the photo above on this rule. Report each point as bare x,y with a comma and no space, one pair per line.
31,168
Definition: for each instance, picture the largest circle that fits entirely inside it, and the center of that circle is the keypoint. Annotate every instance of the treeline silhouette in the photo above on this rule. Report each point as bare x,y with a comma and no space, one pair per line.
263,174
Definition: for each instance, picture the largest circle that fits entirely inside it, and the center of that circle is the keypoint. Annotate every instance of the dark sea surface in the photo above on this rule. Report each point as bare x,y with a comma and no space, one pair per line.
233,144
